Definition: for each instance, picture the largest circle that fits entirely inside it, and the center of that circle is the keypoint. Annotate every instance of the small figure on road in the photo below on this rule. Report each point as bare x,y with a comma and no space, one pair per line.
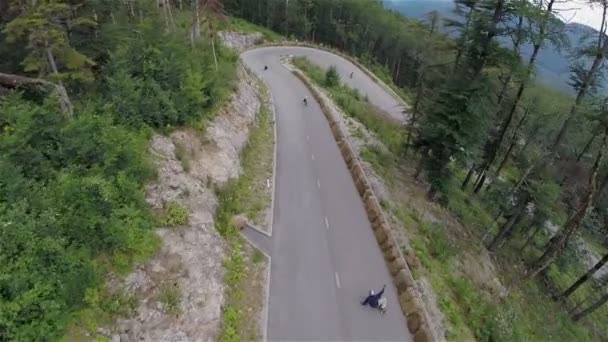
351,74
374,299
305,100
265,67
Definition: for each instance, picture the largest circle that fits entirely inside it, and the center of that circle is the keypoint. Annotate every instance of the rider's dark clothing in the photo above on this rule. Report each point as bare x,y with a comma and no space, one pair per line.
373,299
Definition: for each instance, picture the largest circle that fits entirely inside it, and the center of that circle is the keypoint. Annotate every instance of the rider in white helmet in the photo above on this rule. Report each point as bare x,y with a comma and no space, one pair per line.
374,299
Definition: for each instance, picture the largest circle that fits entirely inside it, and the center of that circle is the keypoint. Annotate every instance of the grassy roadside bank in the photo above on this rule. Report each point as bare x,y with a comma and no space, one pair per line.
245,265
469,284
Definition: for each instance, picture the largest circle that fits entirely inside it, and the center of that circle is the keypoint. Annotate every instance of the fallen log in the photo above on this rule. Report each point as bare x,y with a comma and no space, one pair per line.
10,81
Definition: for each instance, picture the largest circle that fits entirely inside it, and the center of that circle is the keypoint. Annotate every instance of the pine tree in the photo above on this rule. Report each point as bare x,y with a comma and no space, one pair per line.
45,27
584,79
556,245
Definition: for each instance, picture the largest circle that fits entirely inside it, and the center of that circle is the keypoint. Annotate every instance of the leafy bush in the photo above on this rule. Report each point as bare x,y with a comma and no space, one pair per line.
159,80
332,78
71,190
439,246
230,325
175,215
72,201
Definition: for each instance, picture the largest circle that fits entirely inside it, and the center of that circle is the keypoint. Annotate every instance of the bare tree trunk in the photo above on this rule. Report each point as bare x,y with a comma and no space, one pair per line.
161,4
513,141
555,247
463,39
494,143
530,238
180,5
214,54
96,30
66,104
468,177
587,146
480,182
507,228
396,77
420,165
504,126
15,81
504,160
195,31
415,110
516,49
592,308
603,185
170,14
578,305
131,9
585,277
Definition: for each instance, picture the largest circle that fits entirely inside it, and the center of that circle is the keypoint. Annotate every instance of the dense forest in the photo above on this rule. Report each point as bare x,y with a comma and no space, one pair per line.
82,86
480,123
553,61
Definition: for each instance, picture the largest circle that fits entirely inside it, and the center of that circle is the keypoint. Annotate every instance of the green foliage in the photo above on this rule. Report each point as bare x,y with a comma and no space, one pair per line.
44,26
73,190
258,256
72,201
158,80
234,266
170,296
453,123
382,161
242,26
183,155
439,245
175,215
230,324
332,78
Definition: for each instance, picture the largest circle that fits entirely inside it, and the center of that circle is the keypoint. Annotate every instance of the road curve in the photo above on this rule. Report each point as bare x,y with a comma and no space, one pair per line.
324,254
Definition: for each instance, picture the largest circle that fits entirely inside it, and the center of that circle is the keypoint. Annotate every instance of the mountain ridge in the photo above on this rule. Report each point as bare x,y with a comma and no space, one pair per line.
553,63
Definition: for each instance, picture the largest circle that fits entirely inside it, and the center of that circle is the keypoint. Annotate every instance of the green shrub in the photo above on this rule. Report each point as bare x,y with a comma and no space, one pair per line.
175,215
230,325
182,154
439,245
170,298
332,78
258,256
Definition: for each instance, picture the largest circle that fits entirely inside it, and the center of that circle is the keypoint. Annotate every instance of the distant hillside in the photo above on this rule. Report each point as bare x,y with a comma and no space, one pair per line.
552,65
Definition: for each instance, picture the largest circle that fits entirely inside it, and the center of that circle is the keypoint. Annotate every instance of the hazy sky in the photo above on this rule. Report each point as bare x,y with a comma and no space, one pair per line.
579,11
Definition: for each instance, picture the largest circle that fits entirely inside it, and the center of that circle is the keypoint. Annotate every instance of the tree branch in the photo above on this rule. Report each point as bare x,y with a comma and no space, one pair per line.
11,81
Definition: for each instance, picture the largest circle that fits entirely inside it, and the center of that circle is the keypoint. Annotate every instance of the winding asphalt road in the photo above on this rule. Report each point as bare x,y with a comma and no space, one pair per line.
324,254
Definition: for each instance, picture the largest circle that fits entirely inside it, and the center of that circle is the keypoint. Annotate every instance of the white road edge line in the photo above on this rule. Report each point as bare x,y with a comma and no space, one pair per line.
337,280
326,223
